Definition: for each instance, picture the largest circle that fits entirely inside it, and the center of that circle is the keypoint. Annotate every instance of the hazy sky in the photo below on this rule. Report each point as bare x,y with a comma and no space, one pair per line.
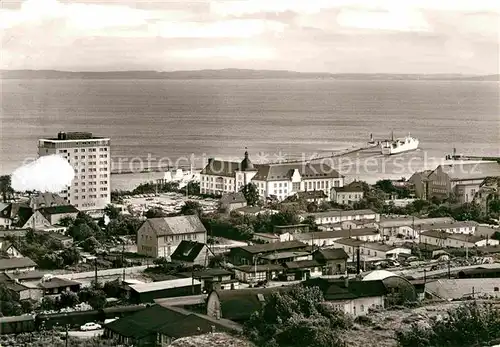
392,36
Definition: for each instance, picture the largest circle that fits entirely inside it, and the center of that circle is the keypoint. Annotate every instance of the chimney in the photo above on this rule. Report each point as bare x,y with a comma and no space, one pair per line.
213,329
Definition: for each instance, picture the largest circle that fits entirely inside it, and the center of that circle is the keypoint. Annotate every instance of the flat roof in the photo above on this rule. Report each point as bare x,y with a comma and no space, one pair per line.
162,285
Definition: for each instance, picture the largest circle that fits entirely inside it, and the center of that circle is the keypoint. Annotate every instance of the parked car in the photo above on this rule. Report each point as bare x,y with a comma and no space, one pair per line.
90,326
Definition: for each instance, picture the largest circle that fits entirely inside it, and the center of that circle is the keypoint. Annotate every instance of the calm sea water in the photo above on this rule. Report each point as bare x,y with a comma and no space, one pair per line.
277,118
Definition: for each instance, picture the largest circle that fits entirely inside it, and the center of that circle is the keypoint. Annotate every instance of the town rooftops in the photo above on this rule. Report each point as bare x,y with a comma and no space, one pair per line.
338,213
336,234
284,255
272,247
207,273
259,268
371,245
46,199
221,168
301,264
176,225
250,210
471,170
438,234
348,189
187,251
16,263
335,290
73,135
284,172
56,282
26,275
162,285
387,222
267,236
196,324
233,198
454,224
54,210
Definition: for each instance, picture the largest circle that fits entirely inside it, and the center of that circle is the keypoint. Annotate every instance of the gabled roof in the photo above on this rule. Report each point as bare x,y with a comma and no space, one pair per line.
272,247
302,264
338,213
55,210
336,290
449,289
144,322
221,168
284,172
233,198
438,234
194,324
162,285
57,282
47,200
13,263
336,234
23,214
176,225
312,194
239,304
348,189
332,253
188,251
5,210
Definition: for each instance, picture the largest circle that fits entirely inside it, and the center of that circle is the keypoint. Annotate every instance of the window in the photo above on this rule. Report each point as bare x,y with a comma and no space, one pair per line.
362,308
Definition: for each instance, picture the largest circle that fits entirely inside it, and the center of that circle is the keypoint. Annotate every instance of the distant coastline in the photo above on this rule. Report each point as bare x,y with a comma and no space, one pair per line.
232,74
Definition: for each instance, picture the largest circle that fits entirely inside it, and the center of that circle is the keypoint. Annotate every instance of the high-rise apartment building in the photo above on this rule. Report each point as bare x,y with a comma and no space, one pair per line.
90,157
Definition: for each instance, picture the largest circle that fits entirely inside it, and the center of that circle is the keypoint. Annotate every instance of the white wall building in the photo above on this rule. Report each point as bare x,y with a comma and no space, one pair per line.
272,180
337,216
444,239
90,157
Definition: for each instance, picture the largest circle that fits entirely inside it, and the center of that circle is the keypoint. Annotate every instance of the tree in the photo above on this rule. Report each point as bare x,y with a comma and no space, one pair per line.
48,303
112,289
8,304
191,207
90,244
193,188
123,225
80,232
68,299
324,206
297,317
51,261
155,212
5,187
66,221
312,207
285,217
111,211
494,206
251,193
311,222
70,256
93,296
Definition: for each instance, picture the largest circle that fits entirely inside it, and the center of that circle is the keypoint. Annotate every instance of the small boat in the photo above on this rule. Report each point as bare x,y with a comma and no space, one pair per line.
400,145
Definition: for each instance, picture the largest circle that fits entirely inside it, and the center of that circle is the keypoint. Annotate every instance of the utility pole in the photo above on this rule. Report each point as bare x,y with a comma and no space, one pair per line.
123,260
66,341
95,272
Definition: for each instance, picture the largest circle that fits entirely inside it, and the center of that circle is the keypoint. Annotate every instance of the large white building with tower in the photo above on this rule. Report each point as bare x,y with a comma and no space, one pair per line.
90,158
272,180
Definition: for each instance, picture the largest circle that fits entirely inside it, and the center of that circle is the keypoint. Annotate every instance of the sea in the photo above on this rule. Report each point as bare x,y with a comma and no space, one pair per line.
185,122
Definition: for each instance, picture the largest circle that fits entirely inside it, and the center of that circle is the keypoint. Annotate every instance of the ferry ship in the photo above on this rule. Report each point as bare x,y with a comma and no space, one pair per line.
400,145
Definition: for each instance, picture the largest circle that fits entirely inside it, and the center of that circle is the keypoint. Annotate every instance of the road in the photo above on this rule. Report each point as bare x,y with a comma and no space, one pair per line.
419,273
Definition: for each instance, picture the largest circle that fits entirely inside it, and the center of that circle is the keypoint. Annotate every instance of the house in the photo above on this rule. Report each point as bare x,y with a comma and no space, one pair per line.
347,195
239,305
332,260
337,216
17,264
18,290
459,227
358,224
258,272
20,214
266,237
462,179
46,200
191,253
232,201
147,292
248,255
253,211
291,229
26,276
5,215
419,184
488,190
328,238
317,196
370,250
57,285
159,325
395,284
351,296
407,226
60,239
9,250
302,270
213,279
54,214
277,181
159,237
444,239
463,288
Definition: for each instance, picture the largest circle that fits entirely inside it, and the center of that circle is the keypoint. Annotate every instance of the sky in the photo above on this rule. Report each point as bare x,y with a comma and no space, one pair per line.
338,36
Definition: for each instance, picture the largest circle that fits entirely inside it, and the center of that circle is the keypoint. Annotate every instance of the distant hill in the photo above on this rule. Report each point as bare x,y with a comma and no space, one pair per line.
229,74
